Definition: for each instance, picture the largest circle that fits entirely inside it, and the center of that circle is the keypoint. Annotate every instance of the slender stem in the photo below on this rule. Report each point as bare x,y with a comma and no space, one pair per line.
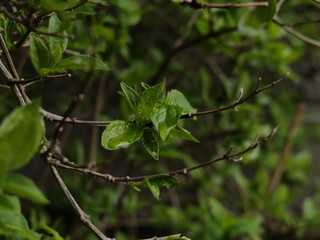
183,171
296,33
239,101
83,216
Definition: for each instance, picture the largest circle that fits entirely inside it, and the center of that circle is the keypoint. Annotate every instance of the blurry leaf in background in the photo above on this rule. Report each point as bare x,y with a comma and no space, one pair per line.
84,62
22,186
20,136
267,13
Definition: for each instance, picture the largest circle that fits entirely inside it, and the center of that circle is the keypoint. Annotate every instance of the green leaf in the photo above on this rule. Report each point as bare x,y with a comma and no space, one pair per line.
20,136
9,203
150,143
177,238
119,134
57,45
309,209
145,86
183,133
39,53
57,4
135,185
82,62
48,233
23,187
131,95
162,180
149,98
177,98
267,13
165,119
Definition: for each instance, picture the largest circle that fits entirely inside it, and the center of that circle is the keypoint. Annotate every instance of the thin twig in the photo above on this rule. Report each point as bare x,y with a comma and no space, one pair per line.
295,33
83,216
109,178
239,101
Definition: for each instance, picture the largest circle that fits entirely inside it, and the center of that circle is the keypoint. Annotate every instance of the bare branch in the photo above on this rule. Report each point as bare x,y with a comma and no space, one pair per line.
239,101
82,215
295,33
184,171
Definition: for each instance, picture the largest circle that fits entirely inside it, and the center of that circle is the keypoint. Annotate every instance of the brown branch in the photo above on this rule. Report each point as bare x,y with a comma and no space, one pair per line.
239,101
85,219
274,181
184,171
295,33
201,4
16,89
30,81
177,49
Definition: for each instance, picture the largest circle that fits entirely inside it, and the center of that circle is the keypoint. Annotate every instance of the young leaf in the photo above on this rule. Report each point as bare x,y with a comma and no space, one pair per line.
177,98
23,187
131,95
145,86
39,53
149,98
183,133
135,185
82,62
162,180
57,45
267,13
48,231
120,134
177,238
20,136
165,119
9,203
150,143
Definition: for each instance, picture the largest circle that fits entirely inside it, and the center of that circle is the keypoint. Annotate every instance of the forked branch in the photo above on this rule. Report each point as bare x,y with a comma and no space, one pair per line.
184,171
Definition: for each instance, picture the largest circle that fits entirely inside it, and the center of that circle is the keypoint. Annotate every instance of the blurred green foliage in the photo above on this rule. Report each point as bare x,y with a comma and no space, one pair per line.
131,42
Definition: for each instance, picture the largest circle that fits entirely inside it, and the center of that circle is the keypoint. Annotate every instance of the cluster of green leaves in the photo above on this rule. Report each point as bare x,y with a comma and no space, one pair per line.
46,54
21,133
156,118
